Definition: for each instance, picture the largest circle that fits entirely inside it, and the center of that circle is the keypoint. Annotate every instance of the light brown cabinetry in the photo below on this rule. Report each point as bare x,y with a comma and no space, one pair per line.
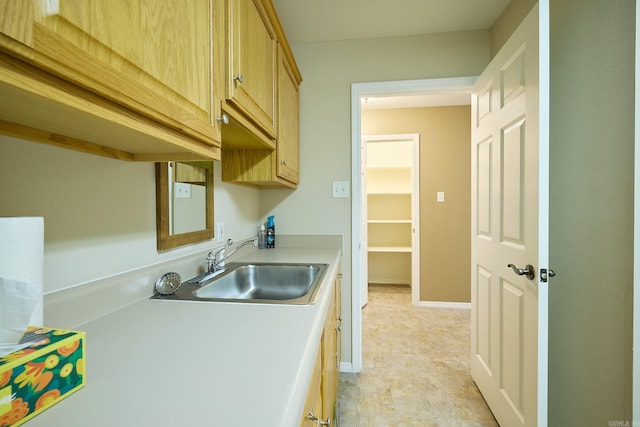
288,147
313,404
252,50
323,394
267,168
261,142
134,78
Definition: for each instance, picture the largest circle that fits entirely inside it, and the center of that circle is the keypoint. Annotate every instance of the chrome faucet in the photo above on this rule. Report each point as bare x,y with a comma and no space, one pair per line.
215,260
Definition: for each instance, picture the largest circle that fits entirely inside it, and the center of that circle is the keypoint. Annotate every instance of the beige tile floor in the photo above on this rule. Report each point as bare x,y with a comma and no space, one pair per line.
415,367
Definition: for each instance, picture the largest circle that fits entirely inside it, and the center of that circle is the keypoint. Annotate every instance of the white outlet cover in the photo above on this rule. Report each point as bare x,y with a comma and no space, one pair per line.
340,189
182,190
219,231
440,197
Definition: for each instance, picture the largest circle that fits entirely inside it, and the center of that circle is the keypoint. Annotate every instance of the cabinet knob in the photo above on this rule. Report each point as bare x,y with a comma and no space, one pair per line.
223,119
239,78
283,162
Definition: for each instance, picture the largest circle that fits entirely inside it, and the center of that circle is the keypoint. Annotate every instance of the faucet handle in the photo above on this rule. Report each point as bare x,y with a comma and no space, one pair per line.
213,258
220,252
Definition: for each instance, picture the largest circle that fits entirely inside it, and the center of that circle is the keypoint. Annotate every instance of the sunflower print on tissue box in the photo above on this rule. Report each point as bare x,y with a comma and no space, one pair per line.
39,376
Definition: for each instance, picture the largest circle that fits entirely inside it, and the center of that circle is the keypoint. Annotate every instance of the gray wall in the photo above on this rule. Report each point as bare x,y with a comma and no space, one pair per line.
591,211
100,214
328,70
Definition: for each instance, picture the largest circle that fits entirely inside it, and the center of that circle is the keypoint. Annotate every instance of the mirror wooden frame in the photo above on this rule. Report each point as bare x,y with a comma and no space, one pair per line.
165,239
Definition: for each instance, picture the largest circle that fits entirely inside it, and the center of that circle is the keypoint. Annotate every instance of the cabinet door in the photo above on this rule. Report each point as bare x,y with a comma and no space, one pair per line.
329,366
151,56
287,148
252,63
313,405
338,329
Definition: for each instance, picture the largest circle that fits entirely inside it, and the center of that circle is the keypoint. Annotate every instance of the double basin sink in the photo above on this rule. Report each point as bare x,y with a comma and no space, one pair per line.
269,283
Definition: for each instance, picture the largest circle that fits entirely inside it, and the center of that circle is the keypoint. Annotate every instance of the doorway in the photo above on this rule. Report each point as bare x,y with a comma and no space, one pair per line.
360,91
390,204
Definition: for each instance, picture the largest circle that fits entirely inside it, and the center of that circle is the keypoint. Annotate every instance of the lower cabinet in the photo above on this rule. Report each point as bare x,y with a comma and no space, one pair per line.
322,396
313,406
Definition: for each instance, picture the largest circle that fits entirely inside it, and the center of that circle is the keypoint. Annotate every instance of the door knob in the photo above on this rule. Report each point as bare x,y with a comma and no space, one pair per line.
528,271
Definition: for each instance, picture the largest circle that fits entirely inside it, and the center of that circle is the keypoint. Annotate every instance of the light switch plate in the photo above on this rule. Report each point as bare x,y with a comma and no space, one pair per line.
340,189
440,197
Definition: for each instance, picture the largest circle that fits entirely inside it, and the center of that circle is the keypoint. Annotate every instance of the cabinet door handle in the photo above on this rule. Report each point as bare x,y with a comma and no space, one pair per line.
317,420
223,119
239,78
283,162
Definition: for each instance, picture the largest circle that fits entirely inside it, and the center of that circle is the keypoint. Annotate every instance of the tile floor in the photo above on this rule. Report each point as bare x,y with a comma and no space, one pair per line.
415,367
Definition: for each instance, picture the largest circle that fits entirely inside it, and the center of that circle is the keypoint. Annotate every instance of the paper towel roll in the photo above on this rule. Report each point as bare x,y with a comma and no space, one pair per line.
21,272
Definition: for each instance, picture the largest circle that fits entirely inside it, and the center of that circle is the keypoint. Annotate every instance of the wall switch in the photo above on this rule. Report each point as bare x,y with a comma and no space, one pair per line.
219,231
440,197
340,190
182,190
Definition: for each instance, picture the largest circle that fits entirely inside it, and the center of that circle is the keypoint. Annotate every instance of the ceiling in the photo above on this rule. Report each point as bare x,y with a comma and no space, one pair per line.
313,21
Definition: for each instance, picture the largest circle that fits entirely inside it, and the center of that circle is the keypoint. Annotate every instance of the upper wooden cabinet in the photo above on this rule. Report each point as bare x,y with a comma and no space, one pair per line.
261,144
251,80
140,72
288,146
267,168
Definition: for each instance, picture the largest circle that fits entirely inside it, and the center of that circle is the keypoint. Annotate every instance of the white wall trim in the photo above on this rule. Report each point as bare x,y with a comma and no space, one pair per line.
636,236
445,304
359,91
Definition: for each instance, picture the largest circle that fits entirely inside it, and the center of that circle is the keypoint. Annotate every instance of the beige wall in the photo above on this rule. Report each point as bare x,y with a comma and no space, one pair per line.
591,211
511,17
99,214
445,134
328,70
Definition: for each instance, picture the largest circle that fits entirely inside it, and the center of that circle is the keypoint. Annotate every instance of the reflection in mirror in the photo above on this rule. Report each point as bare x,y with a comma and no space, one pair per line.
184,203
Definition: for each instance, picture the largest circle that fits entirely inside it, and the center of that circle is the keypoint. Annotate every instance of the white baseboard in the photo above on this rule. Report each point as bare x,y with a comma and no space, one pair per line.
389,282
346,367
445,304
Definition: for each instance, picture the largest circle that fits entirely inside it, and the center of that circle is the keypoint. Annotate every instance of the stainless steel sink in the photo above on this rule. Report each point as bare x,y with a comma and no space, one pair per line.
273,283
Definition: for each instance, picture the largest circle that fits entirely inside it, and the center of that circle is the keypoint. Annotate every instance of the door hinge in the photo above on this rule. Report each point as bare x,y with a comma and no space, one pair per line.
545,274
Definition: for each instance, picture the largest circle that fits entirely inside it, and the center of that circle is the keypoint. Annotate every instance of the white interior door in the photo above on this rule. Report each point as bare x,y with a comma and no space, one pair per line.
510,226
364,241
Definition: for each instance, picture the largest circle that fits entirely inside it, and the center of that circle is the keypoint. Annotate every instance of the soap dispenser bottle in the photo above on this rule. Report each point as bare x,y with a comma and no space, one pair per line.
262,237
271,232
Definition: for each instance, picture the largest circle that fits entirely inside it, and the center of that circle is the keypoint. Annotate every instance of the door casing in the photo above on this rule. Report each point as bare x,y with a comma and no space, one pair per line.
358,92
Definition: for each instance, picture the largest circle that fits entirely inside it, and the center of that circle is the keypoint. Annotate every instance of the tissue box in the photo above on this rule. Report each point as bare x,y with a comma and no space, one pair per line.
38,376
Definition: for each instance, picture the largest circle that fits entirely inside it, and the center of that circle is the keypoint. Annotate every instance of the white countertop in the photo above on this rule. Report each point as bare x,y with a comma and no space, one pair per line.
173,363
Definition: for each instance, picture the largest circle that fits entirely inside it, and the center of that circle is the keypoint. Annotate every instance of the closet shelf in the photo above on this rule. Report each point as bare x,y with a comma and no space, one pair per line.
389,193
389,168
389,221
390,249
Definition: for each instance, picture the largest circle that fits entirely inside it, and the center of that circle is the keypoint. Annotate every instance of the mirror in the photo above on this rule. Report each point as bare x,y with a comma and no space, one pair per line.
184,203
